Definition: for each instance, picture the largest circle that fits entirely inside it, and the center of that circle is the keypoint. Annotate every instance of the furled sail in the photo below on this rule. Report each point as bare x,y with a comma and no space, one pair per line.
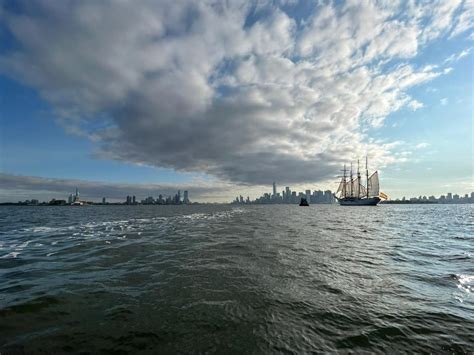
373,184
348,189
355,185
358,190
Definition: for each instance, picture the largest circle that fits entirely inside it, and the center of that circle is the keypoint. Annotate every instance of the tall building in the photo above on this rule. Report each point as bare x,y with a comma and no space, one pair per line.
308,195
274,189
294,197
185,197
104,201
328,197
76,196
134,200
319,196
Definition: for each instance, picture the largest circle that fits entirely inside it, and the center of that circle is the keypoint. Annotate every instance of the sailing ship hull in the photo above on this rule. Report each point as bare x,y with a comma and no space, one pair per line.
371,201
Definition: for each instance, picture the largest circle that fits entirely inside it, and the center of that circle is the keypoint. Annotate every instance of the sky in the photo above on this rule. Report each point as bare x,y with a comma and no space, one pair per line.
223,98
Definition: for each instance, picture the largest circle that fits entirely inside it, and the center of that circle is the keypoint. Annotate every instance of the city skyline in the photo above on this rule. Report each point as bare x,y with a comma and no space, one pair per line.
75,199
96,191
220,99
287,196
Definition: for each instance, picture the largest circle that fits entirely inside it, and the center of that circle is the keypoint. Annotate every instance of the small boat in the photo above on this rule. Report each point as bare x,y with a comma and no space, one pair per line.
304,202
354,193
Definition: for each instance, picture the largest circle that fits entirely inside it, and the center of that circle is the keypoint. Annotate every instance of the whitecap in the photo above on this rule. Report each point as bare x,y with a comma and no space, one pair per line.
24,245
13,254
43,229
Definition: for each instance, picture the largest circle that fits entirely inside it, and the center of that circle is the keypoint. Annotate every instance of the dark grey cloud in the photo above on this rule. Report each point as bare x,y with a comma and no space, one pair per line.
195,86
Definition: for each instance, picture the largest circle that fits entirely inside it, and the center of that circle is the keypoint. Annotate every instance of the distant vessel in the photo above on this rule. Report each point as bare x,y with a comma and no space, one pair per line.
354,193
304,202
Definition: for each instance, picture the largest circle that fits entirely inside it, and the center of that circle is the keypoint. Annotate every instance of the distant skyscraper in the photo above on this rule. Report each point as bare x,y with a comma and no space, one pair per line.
76,196
308,195
134,200
274,189
185,197
104,201
328,197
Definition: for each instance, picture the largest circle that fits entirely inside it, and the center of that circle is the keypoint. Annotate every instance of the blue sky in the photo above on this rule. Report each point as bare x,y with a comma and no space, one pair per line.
228,100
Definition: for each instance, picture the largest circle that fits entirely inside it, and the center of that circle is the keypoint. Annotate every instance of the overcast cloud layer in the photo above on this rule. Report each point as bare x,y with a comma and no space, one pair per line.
248,93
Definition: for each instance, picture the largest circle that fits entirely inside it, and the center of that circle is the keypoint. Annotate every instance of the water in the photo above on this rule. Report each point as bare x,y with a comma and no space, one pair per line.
226,279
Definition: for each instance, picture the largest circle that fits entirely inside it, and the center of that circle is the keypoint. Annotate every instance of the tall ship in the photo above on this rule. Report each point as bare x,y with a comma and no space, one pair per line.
352,192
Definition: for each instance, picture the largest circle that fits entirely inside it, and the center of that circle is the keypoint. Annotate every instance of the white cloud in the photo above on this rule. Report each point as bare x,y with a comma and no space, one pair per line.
444,101
422,145
440,15
415,105
197,86
465,20
457,56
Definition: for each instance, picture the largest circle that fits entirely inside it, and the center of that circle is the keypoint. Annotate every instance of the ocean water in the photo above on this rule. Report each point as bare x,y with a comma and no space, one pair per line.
237,279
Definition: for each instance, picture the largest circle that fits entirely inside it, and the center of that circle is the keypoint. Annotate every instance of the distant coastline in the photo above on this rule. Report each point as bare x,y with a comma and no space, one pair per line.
286,197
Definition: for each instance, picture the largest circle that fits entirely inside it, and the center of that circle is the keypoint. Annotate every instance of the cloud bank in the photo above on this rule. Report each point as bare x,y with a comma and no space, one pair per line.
245,92
17,187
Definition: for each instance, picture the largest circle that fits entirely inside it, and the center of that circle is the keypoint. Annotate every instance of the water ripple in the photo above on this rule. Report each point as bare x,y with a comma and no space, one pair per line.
236,279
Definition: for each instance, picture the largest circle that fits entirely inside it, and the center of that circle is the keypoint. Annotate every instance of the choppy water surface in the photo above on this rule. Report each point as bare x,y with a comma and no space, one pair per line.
236,279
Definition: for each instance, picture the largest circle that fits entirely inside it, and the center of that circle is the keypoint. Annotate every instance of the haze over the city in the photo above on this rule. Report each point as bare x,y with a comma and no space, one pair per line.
221,99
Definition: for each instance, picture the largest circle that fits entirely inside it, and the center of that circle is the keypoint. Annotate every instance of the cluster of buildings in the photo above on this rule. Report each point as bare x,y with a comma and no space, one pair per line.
289,197
74,199
177,199
285,197
449,198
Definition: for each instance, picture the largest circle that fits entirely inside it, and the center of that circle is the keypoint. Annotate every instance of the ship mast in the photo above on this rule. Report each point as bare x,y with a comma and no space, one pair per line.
358,179
344,189
367,174
352,183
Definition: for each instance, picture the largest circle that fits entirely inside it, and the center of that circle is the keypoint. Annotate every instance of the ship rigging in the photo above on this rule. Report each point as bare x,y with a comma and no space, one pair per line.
352,192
